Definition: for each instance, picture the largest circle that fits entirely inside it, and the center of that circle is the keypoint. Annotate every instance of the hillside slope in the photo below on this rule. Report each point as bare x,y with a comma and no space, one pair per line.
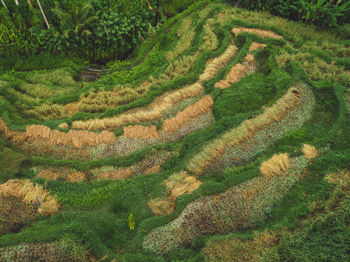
228,126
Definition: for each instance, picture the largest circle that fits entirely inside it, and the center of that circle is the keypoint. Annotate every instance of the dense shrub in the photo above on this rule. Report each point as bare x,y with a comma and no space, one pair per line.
320,12
93,30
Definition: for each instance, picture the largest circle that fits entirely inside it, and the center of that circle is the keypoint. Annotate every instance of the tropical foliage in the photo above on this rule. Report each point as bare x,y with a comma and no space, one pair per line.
223,137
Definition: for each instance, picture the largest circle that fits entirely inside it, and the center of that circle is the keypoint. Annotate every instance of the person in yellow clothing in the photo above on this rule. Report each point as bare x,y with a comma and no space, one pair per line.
131,221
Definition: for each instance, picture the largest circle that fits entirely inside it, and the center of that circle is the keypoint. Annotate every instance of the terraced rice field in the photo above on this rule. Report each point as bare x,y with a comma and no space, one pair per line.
221,138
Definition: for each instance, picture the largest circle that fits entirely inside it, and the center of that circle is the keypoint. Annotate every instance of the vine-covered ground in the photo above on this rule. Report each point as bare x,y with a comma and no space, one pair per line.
229,141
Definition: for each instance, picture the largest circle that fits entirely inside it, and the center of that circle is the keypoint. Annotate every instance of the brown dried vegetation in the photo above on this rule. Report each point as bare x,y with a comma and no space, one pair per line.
262,33
310,152
237,72
255,46
116,175
245,131
72,108
48,174
139,131
189,113
30,194
236,250
213,66
276,165
13,213
152,112
76,177
152,170
78,139
177,185
63,126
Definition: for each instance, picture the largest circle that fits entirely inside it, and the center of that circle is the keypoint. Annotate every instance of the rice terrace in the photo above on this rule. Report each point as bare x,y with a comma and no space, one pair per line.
174,131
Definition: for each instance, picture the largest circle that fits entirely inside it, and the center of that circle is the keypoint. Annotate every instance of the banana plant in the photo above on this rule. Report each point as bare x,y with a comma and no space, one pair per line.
310,10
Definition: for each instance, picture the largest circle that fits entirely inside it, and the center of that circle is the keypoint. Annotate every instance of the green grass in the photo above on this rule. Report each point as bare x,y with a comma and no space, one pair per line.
94,214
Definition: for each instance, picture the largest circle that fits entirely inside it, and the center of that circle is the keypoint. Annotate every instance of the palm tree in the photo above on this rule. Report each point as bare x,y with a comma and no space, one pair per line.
76,19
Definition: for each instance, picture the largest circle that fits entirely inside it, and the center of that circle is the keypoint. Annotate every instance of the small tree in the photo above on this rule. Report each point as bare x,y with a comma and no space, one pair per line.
75,20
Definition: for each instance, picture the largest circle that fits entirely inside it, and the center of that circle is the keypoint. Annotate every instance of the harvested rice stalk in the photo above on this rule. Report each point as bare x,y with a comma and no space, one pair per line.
152,170
47,204
255,46
161,207
217,63
177,185
236,250
101,100
17,137
76,177
225,212
262,33
63,126
237,72
188,114
212,152
181,183
116,175
310,152
48,174
153,111
139,131
72,108
79,139
276,165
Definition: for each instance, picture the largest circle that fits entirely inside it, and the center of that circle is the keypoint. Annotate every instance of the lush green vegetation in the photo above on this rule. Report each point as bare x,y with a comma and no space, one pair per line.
297,212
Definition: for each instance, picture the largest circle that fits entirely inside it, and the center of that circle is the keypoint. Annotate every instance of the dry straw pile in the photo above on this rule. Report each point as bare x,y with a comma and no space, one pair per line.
152,112
310,152
70,177
78,139
213,66
237,72
214,150
139,131
262,33
214,214
255,46
17,137
76,177
189,113
276,165
35,195
48,174
116,175
101,100
177,185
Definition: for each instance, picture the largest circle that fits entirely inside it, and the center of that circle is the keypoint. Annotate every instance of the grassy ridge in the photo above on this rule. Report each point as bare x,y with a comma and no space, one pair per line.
95,214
